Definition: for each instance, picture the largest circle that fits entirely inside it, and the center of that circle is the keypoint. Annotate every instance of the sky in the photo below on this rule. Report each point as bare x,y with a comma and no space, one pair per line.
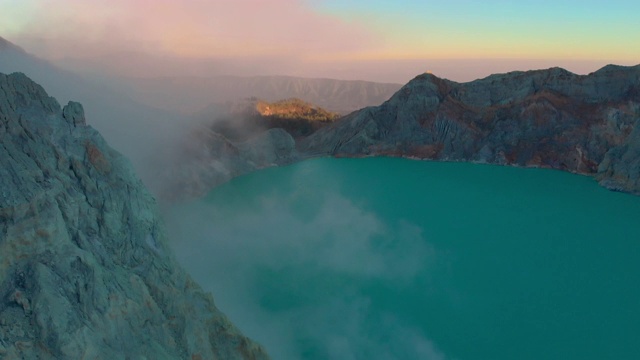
382,40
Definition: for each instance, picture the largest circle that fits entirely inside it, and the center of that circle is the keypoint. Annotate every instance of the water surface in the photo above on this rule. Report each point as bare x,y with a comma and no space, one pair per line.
383,258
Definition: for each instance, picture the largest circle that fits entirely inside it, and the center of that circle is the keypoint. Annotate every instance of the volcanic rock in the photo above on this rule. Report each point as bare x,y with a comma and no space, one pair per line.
85,270
544,118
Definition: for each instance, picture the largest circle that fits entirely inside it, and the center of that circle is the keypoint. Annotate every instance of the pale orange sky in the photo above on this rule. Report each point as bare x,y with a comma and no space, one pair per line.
371,40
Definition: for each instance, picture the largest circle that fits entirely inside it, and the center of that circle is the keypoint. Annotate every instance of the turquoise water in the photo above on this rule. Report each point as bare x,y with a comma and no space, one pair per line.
384,258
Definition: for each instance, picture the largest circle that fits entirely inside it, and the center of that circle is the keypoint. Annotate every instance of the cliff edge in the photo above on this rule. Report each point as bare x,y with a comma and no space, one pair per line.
85,271
545,118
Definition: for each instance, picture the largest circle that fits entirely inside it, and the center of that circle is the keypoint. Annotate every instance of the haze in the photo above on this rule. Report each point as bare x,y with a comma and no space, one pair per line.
152,74
387,41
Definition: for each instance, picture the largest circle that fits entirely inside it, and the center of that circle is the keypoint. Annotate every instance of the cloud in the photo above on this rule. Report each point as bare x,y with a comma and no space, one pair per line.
337,236
194,28
291,270
351,329
378,41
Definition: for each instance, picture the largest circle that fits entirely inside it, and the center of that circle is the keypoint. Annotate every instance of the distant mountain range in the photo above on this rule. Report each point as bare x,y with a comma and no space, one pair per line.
191,94
139,115
188,95
586,124
552,118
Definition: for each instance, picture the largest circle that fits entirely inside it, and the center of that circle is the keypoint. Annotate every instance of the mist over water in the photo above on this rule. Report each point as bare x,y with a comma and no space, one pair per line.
395,259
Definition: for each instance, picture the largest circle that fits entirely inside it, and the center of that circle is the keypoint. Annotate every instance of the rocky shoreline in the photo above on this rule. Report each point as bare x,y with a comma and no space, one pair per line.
545,118
584,124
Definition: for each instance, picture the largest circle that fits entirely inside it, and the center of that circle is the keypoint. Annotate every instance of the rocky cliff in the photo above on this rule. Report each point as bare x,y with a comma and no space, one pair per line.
546,118
124,123
85,271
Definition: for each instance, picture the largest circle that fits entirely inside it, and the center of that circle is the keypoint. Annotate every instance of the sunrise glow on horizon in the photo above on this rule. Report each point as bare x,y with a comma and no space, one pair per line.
321,31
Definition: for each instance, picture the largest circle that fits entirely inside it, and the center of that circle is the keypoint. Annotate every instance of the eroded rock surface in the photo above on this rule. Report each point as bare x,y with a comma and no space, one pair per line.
85,271
545,118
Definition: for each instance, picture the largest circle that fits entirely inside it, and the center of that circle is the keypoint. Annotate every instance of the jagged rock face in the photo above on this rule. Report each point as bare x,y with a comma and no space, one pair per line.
84,268
548,118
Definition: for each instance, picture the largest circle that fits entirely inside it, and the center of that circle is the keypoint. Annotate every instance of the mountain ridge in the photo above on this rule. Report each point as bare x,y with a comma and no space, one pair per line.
341,96
6,44
85,268
550,118
545,118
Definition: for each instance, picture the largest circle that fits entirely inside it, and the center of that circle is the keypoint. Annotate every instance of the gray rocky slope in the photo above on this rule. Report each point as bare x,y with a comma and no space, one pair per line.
135,130
85,271
546,118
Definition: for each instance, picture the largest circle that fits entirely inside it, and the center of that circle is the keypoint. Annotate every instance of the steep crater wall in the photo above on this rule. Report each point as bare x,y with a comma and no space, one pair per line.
85,271
545,118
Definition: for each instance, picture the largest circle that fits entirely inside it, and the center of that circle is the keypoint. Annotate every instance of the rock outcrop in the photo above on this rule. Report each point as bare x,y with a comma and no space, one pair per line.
545,118
242,120
85,271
